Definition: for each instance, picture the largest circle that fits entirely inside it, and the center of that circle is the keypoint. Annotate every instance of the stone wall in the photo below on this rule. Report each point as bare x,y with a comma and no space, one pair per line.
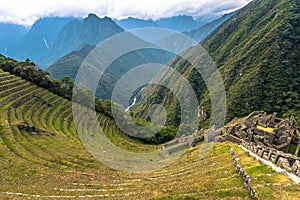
243,174
184,141
212,134
285,161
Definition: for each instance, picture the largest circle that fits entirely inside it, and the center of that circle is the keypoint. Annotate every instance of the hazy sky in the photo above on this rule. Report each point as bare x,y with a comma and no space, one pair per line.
27,11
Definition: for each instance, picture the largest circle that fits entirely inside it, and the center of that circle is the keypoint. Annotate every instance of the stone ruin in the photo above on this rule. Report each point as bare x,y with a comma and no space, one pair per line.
212,134
202,115
283,160
266,130
258,128
184,141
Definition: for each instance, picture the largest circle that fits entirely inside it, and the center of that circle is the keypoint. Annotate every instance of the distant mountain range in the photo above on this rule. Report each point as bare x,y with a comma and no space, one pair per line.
71,47
132,23
181,23
51,38
202,32
61,44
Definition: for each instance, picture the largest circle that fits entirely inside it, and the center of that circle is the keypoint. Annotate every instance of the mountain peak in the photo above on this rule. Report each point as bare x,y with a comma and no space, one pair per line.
92,16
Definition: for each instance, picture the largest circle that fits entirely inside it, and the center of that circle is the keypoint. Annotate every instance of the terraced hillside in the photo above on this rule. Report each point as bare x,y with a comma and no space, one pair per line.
42,156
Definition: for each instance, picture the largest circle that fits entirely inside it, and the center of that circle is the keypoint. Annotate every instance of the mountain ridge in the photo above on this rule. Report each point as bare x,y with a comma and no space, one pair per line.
39,38
78,33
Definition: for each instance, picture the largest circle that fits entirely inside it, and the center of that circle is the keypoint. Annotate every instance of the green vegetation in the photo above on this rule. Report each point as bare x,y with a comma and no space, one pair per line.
30,72
267,183
54,163
268,129
69,65
257,53
64,88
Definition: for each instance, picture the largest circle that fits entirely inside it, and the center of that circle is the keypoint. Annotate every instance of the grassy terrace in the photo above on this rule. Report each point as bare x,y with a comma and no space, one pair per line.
57,165
268,129
267,183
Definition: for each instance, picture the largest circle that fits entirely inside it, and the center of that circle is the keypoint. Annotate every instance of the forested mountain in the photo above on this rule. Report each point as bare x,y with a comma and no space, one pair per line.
70,64
257,53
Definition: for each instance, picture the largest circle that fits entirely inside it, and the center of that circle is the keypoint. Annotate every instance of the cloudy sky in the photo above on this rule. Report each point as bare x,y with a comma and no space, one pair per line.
27,11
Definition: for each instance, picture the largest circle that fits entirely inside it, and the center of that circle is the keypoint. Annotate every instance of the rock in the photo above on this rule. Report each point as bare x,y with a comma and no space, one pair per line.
33,130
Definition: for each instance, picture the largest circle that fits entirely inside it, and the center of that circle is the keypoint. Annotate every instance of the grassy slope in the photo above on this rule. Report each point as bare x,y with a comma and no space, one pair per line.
59,165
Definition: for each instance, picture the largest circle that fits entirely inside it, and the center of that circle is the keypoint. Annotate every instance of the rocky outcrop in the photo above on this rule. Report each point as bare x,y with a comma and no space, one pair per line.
33,130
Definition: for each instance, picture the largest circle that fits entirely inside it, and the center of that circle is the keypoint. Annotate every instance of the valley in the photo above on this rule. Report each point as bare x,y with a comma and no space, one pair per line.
195,100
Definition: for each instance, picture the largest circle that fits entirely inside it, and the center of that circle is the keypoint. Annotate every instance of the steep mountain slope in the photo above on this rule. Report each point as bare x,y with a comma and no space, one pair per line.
11,35
40,38
70,64
42,156
202,32
257,52
75,34
42,152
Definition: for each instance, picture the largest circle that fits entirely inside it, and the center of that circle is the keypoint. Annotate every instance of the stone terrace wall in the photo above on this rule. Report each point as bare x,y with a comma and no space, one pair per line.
243,174
285,161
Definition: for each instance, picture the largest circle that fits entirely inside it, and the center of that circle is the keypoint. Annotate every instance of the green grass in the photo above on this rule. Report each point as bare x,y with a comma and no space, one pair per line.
292,149
60,164
268,129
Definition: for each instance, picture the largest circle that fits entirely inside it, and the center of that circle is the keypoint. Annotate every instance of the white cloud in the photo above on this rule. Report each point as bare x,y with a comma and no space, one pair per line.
27,11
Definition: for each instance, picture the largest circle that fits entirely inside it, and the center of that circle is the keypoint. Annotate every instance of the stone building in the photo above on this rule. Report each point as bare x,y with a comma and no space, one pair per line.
266,130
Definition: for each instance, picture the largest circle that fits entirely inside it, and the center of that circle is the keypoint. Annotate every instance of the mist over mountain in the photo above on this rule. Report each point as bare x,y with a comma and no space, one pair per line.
53,37
178,23
40,38
132,23
201,33
200,21
10,37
